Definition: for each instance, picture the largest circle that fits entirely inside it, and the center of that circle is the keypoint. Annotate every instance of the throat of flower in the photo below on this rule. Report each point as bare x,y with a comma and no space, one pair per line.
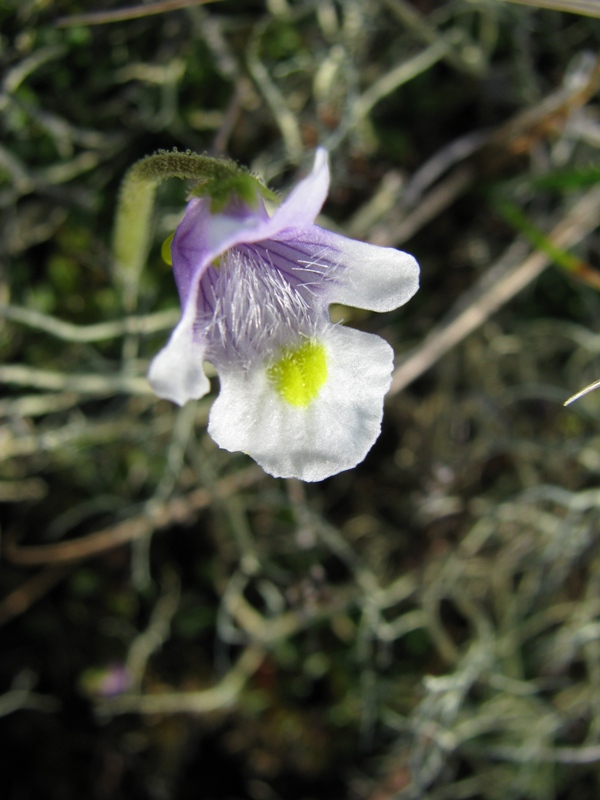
299,374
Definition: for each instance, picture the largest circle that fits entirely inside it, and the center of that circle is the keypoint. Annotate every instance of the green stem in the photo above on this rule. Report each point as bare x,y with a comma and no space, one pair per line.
133,223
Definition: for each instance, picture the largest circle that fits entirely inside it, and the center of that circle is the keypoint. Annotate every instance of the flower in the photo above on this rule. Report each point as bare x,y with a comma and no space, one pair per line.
301,395
109,681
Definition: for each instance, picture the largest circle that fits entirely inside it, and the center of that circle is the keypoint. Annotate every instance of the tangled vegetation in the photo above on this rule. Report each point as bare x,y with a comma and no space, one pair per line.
176,623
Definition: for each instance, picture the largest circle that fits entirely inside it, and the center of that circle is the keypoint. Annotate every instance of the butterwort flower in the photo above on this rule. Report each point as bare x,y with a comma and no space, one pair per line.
109,681
301,395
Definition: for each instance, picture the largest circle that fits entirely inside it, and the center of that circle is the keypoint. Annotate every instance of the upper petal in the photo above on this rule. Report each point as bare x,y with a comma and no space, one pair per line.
203,236
305,201
333,433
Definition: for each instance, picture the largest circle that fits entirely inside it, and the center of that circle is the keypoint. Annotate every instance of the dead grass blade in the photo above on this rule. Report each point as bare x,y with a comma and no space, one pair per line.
588,8
576,225
131,12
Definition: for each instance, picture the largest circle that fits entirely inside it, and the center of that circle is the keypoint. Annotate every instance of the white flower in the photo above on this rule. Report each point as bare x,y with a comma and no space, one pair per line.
302,396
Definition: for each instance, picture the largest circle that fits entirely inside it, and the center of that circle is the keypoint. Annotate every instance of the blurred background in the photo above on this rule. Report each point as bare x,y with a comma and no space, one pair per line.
176,623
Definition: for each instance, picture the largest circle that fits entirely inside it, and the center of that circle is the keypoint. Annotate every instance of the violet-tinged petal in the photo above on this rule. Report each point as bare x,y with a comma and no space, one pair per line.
362,275
305,201
248,309
202,237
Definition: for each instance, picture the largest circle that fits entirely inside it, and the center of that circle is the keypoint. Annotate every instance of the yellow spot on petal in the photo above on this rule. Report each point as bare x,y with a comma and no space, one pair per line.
165,250
300,373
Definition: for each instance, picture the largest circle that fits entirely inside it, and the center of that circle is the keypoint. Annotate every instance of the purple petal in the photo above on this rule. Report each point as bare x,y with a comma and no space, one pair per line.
305,201
357,274
202,236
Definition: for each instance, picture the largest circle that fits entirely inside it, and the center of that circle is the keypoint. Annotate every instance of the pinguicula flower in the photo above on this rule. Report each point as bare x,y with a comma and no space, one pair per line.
301,395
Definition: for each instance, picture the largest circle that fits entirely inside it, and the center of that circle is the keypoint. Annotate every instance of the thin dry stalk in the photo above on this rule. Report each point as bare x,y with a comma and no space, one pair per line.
180,510
580,221
132,12
218,698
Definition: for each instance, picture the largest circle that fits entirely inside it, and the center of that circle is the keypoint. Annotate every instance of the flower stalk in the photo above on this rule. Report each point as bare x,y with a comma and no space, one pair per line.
217,178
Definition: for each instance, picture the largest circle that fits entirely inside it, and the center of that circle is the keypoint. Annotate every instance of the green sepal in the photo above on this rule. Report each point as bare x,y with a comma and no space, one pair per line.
223,188
165,249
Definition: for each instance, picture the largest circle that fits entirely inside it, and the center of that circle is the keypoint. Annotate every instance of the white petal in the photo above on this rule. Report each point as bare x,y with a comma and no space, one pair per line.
177,373
334,433
371,277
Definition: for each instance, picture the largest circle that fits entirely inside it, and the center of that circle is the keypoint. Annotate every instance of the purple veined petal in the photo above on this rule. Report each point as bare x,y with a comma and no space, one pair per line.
363,275
202,237
176,372
304,267
252,306
332,434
